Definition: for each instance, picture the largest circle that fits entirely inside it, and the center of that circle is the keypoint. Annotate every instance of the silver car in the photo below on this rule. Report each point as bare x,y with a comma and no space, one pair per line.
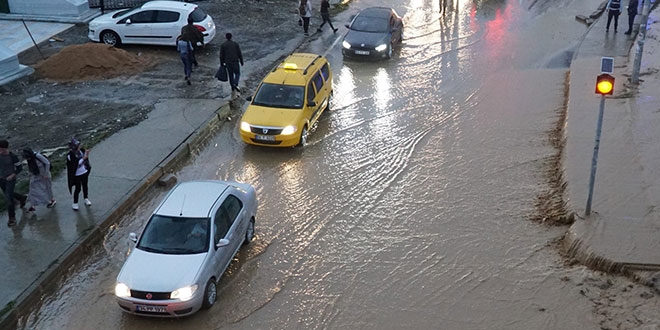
185,247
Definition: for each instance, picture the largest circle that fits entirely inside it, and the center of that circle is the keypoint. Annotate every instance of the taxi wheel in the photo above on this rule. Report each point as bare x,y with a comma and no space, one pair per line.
110,38
389,51
303,137
210,294
249,233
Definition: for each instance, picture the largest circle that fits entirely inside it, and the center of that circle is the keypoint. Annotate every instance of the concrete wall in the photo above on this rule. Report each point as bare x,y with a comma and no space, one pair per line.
48,7
8,62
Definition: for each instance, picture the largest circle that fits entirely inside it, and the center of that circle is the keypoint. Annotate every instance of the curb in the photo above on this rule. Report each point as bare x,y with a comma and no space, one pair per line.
50,279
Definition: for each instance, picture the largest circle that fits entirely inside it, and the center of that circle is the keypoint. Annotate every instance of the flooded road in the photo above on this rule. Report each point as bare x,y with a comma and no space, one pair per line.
410,206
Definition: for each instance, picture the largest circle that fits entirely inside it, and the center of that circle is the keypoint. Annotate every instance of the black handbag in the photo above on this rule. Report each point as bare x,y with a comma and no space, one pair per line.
222,73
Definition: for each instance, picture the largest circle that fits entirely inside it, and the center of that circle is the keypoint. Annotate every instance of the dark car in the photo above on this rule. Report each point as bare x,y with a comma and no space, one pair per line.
372,33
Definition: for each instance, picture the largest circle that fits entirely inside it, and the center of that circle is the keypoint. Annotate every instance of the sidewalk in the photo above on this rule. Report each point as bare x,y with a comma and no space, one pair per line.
623,231
42,246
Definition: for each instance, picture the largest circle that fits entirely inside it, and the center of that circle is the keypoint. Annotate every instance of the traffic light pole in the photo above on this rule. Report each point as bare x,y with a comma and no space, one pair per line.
594,159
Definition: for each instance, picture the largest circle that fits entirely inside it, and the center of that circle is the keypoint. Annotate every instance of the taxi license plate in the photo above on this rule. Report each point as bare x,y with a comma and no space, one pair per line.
362,52
151,309
265,137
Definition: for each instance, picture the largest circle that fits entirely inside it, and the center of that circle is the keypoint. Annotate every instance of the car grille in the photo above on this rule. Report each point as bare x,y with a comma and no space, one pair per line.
268,131
266,142
154,295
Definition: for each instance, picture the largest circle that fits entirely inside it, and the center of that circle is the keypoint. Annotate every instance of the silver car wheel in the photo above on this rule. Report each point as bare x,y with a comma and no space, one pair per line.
210,294
249,233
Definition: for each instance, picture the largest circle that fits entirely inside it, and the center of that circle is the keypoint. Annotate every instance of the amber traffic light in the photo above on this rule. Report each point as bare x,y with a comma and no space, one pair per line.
605,84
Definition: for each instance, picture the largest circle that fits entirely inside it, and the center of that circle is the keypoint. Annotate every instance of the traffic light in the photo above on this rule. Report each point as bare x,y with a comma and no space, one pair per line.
605,84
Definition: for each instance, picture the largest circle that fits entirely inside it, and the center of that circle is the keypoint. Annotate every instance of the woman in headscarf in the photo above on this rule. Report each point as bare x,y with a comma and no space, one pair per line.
41,186
78,168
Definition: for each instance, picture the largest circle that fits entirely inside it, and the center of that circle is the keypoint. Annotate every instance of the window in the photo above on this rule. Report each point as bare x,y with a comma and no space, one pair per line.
233,206
220,222
164,16
146,16
325,71
311,93
318,81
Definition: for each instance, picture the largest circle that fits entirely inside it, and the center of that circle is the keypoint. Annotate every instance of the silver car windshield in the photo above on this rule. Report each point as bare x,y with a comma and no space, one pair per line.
279,96
175,235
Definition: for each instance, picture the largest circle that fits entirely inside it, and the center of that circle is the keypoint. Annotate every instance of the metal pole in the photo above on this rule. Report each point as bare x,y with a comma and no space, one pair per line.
594,159
34,42
637,63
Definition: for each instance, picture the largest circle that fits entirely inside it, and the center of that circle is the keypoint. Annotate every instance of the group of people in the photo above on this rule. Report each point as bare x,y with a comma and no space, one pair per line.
192,39
305,10
40,191
614,10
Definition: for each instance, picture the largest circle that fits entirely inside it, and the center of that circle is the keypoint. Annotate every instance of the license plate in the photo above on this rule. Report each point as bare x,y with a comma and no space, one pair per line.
265,137
362,52
151,309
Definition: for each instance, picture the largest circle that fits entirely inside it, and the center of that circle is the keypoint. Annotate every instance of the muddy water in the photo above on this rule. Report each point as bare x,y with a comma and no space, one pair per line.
409,207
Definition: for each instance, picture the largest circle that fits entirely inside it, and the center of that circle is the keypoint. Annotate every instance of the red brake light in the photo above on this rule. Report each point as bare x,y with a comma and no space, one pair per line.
200,28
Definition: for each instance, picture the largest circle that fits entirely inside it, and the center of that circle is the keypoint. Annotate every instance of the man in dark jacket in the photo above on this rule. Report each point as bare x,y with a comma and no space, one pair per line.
190,33
632,12
230,57
10,166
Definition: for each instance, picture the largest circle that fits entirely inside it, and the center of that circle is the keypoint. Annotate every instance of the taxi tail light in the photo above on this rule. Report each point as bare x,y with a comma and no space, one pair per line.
200,28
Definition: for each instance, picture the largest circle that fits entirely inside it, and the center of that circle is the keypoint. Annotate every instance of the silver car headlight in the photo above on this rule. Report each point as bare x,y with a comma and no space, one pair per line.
245,126
381,47
289,130
346,44
122,290
185,293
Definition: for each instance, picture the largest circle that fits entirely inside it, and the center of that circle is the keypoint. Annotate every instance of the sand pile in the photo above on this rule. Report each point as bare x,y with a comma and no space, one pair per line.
90,61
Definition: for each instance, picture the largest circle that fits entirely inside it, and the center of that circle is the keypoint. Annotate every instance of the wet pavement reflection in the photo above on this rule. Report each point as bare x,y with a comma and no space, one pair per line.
408,209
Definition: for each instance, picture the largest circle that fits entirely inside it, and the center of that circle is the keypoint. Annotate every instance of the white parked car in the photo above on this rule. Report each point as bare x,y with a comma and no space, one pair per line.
185,247
153,23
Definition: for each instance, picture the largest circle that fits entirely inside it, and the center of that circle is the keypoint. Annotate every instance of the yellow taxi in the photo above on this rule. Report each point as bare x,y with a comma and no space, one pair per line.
288,102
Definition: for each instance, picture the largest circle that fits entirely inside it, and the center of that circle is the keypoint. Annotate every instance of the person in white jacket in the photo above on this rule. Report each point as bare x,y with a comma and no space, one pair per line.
306,13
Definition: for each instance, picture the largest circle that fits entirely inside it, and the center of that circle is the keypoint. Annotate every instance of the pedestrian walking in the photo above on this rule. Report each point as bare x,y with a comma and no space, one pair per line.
305,10
41,187
185,50
632,12
231,57
325,15
613,11
10,166
190,33
78,168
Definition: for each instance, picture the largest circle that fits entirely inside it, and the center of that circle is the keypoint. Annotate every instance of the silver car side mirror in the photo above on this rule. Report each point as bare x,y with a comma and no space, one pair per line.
222,242
133,237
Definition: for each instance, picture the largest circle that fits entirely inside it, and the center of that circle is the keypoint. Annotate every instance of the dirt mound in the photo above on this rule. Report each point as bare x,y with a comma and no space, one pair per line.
90,61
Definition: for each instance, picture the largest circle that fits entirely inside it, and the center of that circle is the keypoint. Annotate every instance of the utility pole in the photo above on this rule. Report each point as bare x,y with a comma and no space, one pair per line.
646,5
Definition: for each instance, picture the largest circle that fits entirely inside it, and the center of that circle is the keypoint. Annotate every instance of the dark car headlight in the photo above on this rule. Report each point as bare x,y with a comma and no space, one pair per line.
346,45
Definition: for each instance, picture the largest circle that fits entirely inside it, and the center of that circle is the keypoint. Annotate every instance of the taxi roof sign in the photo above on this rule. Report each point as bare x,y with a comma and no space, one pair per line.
290,66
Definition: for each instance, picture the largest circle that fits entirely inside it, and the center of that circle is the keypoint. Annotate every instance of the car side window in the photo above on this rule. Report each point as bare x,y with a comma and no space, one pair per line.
318,81
311,92
166,16
232,207
221,224
146,16
325,72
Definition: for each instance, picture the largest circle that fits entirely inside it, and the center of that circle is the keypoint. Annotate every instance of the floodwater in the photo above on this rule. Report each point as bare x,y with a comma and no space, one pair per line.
410,206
